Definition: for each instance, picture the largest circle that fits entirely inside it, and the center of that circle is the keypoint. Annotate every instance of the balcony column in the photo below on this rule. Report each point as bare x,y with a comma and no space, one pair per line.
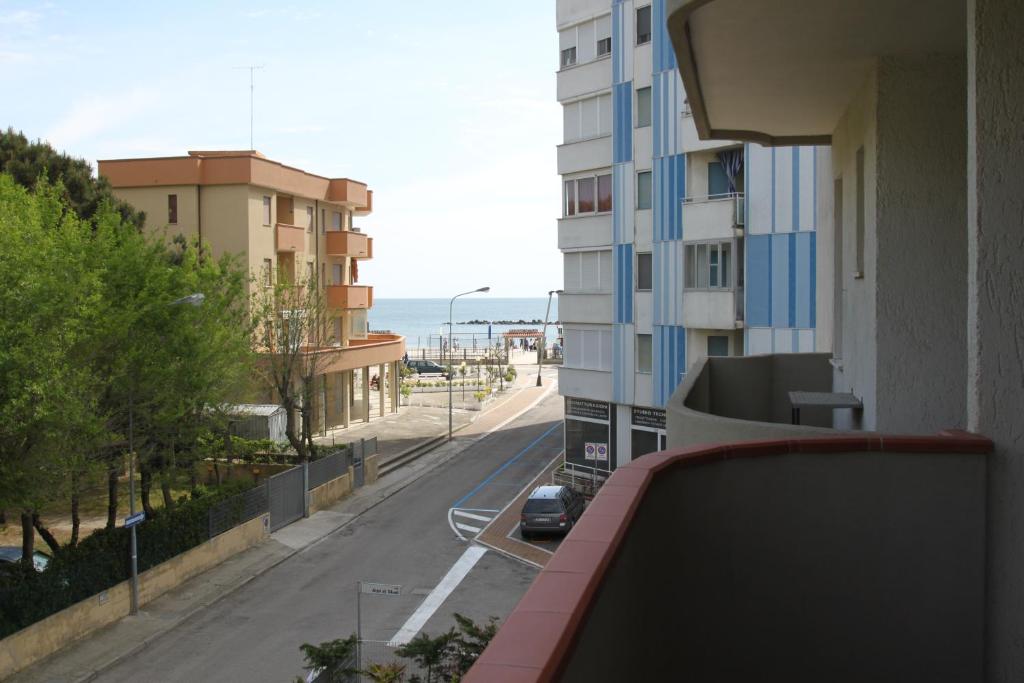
345,385
366,394
995,328
396,385
381,386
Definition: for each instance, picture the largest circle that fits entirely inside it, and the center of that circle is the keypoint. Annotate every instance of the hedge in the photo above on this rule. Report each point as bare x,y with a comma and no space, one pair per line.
101,560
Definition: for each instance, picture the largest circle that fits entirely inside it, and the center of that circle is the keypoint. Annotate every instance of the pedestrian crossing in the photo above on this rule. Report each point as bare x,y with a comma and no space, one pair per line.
468,523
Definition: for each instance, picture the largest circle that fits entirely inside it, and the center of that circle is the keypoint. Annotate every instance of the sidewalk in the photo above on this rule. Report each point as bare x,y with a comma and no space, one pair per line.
89,657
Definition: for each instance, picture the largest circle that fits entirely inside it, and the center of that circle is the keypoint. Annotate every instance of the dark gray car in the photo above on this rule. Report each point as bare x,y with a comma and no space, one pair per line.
550,509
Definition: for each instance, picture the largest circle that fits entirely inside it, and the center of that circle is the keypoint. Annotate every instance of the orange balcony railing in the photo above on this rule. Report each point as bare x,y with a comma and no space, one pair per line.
290,238
349,296
346,243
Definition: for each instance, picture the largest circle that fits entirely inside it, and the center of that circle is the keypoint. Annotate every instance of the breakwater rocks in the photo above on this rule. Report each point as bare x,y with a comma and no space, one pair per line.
507,322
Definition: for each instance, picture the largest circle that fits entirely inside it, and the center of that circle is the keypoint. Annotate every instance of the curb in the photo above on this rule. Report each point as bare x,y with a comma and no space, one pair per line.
92,675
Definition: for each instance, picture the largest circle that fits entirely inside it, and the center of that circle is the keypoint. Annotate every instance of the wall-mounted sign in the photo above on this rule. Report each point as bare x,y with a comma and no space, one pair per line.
648,417
589,451
581,407
602,452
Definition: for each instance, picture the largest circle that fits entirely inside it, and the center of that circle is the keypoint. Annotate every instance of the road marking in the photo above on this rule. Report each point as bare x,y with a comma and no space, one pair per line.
466,527
463,513
504,466
437,596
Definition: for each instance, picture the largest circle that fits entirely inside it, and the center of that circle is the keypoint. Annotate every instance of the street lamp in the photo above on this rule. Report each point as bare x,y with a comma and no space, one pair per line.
451,365
544,333
190,300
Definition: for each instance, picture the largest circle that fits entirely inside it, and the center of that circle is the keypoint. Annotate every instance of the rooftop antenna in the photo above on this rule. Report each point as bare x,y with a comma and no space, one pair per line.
252,84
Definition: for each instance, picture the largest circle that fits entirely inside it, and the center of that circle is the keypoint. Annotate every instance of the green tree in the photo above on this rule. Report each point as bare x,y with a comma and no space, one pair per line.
431,654
336,657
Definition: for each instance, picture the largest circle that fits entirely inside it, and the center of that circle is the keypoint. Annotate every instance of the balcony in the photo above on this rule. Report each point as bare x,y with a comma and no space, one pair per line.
349,296
594,384
583,79
847,558
712,309
346,243
360,353
712,218
581,155
591,307
290,238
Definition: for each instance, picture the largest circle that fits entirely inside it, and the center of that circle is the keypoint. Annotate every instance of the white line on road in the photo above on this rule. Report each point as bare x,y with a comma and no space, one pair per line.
463,513
466,527
437,596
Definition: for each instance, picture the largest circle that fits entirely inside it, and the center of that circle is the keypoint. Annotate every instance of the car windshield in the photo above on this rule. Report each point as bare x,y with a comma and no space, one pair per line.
542,506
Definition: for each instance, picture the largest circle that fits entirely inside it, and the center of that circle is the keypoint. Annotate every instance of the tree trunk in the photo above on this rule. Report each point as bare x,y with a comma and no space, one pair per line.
289,428
44,533
28,538
146,481
3,518
76,521
112,496
165,488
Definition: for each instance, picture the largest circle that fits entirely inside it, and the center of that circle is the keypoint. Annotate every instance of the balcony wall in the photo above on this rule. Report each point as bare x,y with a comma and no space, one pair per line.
349,296
709,309
747,397
843,559
710,219
585,308
585,155
361,353
584,79
346,243
290,238
594,384
585,231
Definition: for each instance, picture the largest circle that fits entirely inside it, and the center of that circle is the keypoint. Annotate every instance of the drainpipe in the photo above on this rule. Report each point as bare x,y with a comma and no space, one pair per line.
199,218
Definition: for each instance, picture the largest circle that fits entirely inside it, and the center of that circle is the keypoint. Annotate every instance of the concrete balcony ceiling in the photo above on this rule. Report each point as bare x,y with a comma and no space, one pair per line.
781,72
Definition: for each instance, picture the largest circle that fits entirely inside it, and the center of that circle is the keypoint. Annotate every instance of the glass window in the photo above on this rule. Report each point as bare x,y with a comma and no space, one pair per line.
172,208
643,190
309,219
718,181
323,220
604,47
570,197
643,442
643,271
708,266
266,210
585,193
643,353
604,192
718,345
568,56
713,266
336,220
643,25
268,267
643,107
724,261
690,267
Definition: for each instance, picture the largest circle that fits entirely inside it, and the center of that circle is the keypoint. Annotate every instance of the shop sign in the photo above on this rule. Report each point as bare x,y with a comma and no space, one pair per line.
648,417
581,407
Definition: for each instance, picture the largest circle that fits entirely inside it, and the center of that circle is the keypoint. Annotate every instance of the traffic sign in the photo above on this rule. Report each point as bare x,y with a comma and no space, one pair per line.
602,452
589,451
137,518
380,588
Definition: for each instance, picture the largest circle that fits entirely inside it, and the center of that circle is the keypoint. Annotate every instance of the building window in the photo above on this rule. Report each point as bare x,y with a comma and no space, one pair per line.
588,348
335,220
643,190
643,107
643,25
266,210
309,272
708,266
323,274
643,353
588,271
309,219
268,271
172,209
643,271
837,261
323,221
590,194
568,57
604,47
718,181
718,345
859,243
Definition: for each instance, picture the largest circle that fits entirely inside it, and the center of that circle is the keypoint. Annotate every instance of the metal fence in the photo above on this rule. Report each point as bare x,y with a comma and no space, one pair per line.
329,467
237,509
287,497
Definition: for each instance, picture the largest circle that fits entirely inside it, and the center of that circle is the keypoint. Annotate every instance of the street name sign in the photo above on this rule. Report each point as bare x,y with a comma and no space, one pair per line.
137,518
380,588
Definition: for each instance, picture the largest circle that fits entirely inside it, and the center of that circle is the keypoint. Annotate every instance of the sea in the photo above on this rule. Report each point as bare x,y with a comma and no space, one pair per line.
422,319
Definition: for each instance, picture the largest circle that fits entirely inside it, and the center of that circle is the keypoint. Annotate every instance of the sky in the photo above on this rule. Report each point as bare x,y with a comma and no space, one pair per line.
447,110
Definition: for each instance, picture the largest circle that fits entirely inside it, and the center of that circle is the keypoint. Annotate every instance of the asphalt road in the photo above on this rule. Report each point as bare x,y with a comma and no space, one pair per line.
255,633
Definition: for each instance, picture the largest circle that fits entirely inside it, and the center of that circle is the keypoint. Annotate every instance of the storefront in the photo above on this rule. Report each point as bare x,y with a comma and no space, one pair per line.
647,431
589,433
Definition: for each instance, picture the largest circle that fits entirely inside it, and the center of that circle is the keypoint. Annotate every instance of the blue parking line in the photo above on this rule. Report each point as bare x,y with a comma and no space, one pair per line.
485,482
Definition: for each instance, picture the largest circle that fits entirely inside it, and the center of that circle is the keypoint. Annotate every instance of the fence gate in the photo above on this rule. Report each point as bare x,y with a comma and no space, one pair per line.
358,456
287,499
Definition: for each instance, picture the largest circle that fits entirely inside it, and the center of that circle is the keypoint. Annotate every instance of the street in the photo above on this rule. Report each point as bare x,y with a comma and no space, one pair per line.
255,633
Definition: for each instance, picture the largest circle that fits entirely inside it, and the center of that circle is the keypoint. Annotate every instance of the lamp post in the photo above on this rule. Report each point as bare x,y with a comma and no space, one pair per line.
451,306
190,300
544,334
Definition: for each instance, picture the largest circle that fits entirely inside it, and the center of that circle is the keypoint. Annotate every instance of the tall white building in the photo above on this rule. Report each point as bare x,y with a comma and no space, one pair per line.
674,248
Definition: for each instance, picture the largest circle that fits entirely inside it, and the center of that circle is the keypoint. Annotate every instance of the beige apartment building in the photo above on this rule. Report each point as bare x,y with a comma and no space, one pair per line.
283,223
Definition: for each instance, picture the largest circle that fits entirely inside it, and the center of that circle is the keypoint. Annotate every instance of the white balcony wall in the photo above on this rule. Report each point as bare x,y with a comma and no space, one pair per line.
585,155
709,309
709,219
569,12
593,384
585,308
643,312
585,231
643,390
644,230
642,146
583,79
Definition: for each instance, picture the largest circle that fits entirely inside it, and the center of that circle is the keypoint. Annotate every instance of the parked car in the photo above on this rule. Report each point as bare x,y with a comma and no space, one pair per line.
12,554
427,367
552,509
